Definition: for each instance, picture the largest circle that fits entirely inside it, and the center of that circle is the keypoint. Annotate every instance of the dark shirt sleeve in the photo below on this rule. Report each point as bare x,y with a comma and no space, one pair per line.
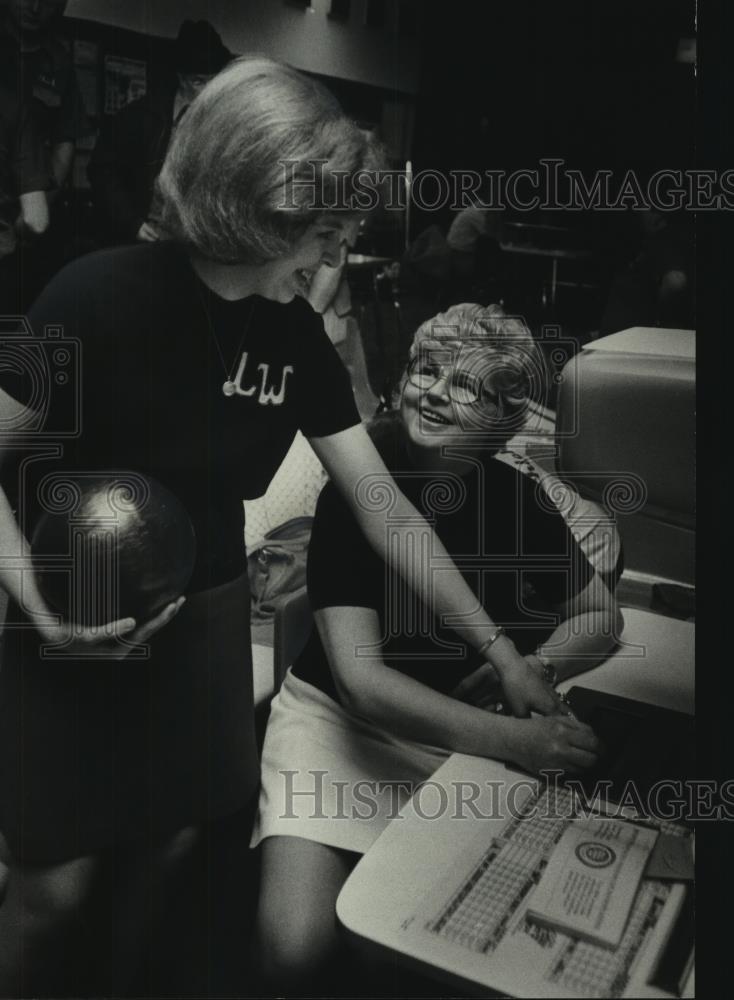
118,166
24,361
325,397
343,571
46,375
557,567
40,367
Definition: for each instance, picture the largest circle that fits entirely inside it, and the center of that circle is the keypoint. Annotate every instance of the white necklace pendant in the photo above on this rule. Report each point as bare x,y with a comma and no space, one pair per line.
229,388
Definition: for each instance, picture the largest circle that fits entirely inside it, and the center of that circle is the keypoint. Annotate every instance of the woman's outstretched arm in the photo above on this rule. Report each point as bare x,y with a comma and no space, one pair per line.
589,629
404,706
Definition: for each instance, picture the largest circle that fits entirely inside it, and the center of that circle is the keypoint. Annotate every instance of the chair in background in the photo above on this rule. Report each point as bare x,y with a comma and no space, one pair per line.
625,434
293,623
291,629
592,527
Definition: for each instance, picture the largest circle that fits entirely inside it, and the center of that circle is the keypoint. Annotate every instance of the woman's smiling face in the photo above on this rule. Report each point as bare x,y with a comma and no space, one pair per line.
290,275
448,398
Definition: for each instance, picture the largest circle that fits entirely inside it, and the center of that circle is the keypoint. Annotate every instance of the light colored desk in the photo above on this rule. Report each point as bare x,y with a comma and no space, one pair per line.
416,858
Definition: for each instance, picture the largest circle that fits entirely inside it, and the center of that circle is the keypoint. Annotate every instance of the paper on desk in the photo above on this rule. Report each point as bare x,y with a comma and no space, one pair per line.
591,879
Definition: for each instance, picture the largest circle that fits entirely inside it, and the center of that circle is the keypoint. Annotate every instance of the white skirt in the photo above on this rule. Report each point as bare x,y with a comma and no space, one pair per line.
330,776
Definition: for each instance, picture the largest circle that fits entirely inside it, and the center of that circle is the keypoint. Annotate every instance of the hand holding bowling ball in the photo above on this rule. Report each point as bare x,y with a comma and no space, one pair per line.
110,547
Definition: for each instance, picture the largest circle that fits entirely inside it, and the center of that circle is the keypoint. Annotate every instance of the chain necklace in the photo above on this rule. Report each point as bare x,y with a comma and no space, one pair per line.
228,387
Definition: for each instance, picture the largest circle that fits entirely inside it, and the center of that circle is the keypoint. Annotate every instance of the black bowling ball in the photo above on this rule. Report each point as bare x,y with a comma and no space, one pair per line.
111,546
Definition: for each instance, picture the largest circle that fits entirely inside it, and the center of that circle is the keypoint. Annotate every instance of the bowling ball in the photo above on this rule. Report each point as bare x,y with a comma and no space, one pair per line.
111,546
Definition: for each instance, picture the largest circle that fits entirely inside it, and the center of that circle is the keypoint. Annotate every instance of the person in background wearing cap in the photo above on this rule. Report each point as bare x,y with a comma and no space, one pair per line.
37,68
132,144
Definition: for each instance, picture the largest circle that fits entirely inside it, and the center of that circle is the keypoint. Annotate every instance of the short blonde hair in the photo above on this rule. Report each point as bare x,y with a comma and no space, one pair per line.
226,188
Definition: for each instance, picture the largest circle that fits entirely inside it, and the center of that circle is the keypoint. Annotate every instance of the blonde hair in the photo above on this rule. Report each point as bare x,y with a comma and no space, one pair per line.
256,159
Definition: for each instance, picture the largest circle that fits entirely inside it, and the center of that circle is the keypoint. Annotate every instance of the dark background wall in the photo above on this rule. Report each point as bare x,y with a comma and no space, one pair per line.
597,83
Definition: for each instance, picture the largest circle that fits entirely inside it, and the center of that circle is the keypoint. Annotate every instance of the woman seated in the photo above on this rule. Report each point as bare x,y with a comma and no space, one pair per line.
384,692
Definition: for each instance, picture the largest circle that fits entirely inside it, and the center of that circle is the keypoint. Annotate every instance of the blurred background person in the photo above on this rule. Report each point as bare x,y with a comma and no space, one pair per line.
30,45
132,144
24,180
38,68
658,286
475,255
471,227
474,239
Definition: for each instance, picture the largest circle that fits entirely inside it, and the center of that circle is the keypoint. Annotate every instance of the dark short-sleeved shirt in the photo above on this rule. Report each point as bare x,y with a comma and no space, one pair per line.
150,349
511,546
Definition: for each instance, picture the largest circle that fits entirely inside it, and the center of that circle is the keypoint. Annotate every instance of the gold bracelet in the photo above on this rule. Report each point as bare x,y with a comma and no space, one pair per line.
491,641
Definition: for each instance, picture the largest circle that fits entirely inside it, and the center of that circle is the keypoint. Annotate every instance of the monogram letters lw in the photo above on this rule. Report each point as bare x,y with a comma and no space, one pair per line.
267,394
